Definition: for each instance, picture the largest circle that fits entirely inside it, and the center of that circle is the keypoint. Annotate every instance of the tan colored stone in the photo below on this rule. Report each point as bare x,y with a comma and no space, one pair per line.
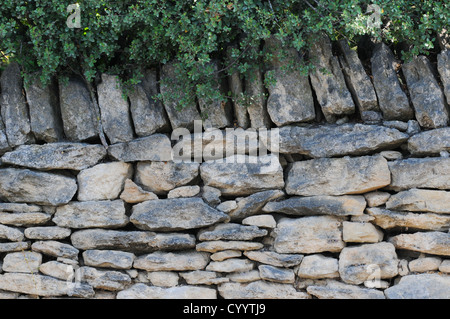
361,233
421,200
133,194
435,243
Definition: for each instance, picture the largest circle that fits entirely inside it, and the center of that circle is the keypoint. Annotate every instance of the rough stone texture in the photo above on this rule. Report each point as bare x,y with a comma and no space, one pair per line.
175,214
263,221
47,233
23,262
231,231
392,99
142,291
338,176
164,278
274,259
168,261
338,140
308,235
318,266
424,286
443,66
256,101
231,265
134,194
11,233
420,200
23,185
103,181
260,290
24,219
57,270
375,199
361,233
435,243
103,279
424,264
108,259
250,205
426,95
220,245
74,156
200,277
276,274
156,147
337,290
430,142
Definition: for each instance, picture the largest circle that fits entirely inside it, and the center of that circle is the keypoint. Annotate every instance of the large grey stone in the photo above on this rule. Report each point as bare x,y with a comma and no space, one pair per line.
409,173
103,279
392,100
443,66
318,205
23,185
11,233
231,231
308,235
102,214
260,290
430,142
108,259
175,214
423,286
24,219
47,233
330,88
435,243
338,176
338,290
14,109
74,156
421,200
156,147
338,140
23,262
55,248
142,291
251,205
115,113
77,110
243,175
426,95
168,261
276,274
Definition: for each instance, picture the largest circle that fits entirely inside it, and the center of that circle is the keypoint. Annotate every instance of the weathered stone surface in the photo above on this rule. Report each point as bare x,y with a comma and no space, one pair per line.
134,194
24,219
256,99
354,232
290,98
23,262
23,185
355,262
420,173
263,221
161,177
231,265
18,207
430,142
219,245
115,113
57,270
318,266
184,191
274,259
338,290
338,176
426,95
200,277
338,140
211,195
147,113
424,264
103,279
420,200
375,199
168,261
251,205
131,241
243,175
16,246
75,156
244,277
225,254
103,214
435,243
163,278
103,181
142,291
47,233
45,115
260,290
55,248
11,233
156,147
445,266
392,100
175,214
359,83
227,206
308,235
276,274
45,286
231,231
77,110
443,66
108,259
423,286
170,89
14,109
319,205
331,90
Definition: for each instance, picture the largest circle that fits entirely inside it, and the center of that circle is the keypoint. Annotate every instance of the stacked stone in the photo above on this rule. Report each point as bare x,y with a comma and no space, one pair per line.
334,210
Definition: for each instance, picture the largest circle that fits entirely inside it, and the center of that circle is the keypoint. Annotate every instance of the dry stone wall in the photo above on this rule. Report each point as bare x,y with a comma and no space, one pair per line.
349,199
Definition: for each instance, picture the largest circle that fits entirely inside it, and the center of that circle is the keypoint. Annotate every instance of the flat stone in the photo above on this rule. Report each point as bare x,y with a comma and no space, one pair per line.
420,200
103,214
115,113
410,173
318,266
430,142
44,286
18,207
169,261
108,259
244,277
23,262
103,181
55,248
263,221
161,177
435,243
338,290
445,266
142,291
47,233
355,262
243,175
276,274
338,176
184,192
426,95
11,233
164,278
23,185
110,280
219,245
251,205
225,254
332,140
14,246
200,277
424,264
443,66
318,205
423,286
231,265
24,219
175,214
378,198
354,232
134,194
231,231
308,235
274,259
260,290
58,270
131,241
156,147
227,206
387,219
